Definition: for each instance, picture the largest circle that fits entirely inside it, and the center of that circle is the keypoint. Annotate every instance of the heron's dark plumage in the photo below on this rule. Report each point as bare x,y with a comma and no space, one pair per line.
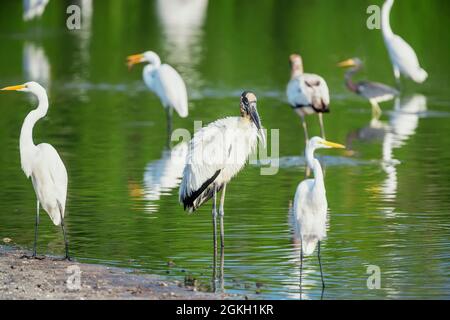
373,90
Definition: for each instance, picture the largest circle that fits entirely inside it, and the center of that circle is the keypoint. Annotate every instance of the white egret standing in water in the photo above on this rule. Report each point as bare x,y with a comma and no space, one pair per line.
404,59
43,164
216,154
165,82
310,204
307,93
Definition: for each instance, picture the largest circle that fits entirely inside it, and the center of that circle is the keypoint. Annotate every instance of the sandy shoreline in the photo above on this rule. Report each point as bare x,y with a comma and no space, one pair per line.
47,279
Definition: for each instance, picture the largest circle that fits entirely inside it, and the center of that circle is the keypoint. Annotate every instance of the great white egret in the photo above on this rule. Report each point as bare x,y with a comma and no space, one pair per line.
216,154
307,93
165,82
43,164
404,59
310,204
33,8
373,91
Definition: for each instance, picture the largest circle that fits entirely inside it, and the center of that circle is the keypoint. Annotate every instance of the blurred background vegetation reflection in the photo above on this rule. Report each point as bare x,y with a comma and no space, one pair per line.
388,197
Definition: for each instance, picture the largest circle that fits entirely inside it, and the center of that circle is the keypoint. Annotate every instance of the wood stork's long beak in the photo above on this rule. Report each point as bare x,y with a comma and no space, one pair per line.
134,59
14,88
347,63
257,121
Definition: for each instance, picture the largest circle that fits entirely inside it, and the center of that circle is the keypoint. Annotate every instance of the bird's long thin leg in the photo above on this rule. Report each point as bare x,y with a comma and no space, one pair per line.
66,243
305,129
221,214
214,218
376,110
169,112
320,264
36,226
222,265
301,269
322,128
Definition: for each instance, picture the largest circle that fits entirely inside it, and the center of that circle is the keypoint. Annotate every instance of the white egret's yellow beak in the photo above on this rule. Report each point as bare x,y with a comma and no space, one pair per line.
134,59
14,88
333,145
347,63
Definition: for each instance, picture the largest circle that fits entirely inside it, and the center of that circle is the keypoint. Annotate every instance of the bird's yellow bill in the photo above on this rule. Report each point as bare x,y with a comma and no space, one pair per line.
13,88
347,63
134,59
333,145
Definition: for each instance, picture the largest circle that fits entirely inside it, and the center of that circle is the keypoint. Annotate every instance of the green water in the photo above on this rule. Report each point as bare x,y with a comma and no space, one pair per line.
388,199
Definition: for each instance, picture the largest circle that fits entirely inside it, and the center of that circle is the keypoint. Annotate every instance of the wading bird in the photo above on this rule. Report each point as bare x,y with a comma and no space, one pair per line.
43,164
165,82
307,93
404,59
216,154
373,91
310,204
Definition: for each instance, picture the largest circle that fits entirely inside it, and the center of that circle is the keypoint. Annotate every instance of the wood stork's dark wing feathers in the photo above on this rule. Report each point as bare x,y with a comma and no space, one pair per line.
194,200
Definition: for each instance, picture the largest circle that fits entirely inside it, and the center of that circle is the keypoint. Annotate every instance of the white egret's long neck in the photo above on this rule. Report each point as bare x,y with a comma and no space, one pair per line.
385,20
314,164
27,146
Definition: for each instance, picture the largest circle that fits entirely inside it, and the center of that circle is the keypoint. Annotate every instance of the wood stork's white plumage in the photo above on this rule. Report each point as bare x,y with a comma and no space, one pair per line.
216,154
307,93
404,59
43,164
164,81
33,8
310,203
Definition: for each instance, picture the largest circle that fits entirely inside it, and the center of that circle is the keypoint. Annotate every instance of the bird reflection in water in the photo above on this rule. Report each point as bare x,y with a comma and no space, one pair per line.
36,65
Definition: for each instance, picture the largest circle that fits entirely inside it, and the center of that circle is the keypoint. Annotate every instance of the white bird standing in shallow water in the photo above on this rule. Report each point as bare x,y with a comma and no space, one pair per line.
216,154
310,204
403,58
307,93
165,82
43,164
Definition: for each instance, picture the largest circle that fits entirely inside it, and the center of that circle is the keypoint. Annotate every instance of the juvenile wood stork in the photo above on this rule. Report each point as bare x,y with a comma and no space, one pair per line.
216,154
307,93
43,164
165,82
404,59
373,91
310,204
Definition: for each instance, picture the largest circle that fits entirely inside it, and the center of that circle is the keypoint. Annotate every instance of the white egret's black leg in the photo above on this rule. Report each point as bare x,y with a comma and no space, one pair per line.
301,269
320,264
36,227
66,243
169,113
322,128
221,214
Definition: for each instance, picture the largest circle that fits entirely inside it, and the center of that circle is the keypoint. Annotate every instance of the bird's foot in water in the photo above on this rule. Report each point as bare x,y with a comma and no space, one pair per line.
33,256
66,258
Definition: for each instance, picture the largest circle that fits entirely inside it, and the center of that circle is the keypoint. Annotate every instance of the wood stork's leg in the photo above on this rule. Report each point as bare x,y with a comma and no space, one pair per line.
221,214
305,129
320,264
66,243
301,268
214,218
222,265
322,128
376,110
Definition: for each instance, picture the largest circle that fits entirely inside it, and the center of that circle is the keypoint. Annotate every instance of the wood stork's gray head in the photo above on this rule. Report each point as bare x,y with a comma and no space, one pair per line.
149,57
32,87
296,62
249,111
319,143
353,62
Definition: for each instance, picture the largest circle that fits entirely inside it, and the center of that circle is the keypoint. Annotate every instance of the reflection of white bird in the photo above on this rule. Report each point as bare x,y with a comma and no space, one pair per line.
307,93
43,164
403,57
164,81
310,203
165,174
33,8
36,64
216,154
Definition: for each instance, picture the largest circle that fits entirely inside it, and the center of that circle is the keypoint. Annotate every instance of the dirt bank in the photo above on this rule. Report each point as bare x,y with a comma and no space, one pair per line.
47,279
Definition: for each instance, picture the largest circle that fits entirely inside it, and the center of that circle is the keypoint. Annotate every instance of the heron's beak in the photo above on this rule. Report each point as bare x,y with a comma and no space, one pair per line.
333,145
14,88
257,121
347,63
134,59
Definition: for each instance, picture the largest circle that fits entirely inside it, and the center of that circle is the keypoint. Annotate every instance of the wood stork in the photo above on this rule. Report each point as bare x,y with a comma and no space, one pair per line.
310,204
216,154
165,82
373,91
404,59
307,93
43,164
